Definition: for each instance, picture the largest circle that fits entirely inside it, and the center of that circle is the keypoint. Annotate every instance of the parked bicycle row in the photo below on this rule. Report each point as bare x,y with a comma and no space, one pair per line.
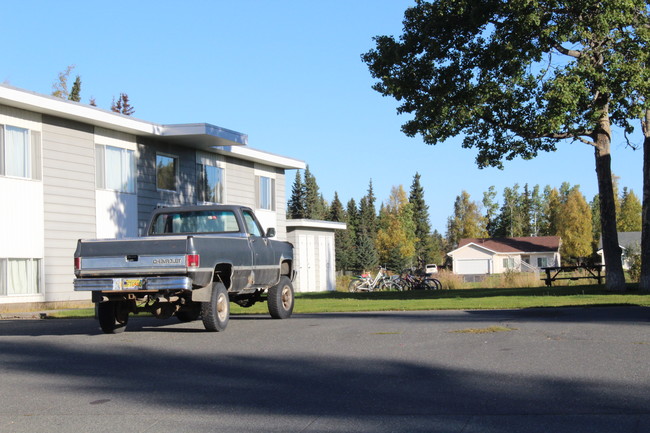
407,280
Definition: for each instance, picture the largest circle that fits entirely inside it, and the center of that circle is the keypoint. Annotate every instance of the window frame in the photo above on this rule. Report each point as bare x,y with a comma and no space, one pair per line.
219,190
31,160
176,162
259,192
34,277
127,161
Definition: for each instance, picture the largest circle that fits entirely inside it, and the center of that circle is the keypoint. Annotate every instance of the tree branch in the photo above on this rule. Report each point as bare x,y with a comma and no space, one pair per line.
567,52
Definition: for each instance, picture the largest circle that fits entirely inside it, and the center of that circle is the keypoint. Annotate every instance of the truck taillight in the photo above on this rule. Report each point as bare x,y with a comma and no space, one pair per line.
77,263
193,260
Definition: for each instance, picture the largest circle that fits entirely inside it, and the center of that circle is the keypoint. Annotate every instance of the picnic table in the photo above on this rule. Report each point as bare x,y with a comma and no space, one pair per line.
593,272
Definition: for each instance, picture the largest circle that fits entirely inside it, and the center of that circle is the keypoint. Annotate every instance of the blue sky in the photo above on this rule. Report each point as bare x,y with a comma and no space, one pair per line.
288,73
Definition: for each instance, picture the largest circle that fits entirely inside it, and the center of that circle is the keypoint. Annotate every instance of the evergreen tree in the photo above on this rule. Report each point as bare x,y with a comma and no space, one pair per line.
467,221
296,204
366,253
629,219
353,228
368,214
313,200
122,105
343,241
75,93
423,247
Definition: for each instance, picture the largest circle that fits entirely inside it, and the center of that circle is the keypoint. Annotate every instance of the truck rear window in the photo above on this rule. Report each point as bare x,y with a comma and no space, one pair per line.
209,221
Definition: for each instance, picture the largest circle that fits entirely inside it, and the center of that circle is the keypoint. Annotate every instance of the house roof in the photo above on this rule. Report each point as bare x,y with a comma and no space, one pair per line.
625,240
531,244
203,136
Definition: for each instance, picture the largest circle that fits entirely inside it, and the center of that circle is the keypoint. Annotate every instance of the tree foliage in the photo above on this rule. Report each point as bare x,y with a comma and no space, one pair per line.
629,219
574,226
466,222
60,86
122,105
515,77
420,209
75,93
396,239
296,203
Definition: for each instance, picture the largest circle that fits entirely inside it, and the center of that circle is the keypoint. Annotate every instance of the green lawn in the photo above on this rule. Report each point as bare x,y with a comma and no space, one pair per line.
466,299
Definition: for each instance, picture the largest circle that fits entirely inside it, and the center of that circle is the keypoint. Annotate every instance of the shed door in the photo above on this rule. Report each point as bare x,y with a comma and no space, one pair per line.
474,266
326,263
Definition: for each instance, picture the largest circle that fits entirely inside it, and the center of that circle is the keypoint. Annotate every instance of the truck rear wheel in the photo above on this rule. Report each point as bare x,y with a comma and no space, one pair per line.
280,299
216,313
113,316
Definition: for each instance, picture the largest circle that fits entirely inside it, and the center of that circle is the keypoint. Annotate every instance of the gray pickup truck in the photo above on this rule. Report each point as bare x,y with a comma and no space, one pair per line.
192,263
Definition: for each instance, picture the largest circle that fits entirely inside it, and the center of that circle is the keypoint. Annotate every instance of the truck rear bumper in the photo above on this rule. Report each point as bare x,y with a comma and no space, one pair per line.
118,284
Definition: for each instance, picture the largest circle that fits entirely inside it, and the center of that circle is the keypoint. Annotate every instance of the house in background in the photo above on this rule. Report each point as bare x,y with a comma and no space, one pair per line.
628,241
70,171
497,255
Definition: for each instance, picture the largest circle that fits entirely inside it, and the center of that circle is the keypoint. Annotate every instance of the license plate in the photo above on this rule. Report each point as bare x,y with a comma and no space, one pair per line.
135,283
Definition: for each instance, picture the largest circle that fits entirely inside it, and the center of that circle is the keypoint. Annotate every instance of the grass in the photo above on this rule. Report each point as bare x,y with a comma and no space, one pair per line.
461,299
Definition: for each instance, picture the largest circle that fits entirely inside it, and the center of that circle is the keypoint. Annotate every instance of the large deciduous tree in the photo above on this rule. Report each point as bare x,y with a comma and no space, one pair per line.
466,222
516,77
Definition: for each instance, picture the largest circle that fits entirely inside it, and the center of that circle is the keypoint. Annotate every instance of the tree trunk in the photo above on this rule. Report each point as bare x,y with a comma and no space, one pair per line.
644,279
615,280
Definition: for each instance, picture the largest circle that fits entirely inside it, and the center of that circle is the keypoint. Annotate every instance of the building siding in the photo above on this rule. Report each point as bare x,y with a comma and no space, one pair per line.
68,199
149,197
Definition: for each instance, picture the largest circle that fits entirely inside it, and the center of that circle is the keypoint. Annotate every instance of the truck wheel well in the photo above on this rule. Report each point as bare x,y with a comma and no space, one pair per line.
223,273
285,268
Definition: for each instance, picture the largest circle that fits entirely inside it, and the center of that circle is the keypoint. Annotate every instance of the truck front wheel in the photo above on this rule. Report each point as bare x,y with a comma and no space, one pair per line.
113,316
280,299
216,313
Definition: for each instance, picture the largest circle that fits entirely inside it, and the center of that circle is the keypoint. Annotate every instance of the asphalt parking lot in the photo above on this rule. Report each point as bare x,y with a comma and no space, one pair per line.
539,370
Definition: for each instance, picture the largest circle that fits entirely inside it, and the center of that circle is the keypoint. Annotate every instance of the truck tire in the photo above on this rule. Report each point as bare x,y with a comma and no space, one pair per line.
216,313
113,316
280,299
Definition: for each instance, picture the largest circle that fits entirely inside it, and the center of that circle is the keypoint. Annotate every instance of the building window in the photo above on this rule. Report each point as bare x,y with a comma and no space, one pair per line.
210,183
115,168
265,192
20,152
20,276
542,262
166,172
509,263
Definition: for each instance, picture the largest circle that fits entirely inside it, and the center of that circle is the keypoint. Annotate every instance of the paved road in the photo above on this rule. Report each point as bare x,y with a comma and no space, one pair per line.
554,370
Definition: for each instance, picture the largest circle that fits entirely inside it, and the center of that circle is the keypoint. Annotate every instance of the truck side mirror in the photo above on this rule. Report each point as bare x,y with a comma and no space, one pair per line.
270,233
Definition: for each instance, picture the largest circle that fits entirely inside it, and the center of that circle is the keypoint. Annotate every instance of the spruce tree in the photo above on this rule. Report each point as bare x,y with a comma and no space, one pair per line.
344,244
313,200
420,209
296,204
75,93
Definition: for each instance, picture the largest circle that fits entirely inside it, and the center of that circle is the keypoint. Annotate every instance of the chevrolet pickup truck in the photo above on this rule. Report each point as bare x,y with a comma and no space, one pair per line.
192,263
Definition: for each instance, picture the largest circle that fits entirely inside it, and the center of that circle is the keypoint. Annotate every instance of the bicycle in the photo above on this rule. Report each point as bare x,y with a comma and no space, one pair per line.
365,282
